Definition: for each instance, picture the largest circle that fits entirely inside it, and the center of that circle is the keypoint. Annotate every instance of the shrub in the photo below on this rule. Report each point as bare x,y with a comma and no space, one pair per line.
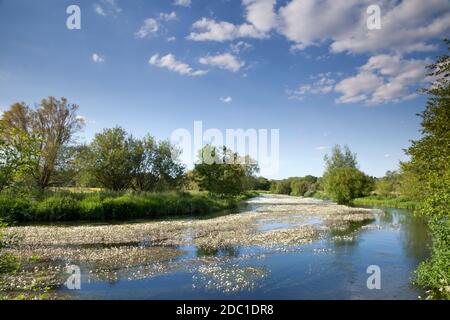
58,208
345,184
15,208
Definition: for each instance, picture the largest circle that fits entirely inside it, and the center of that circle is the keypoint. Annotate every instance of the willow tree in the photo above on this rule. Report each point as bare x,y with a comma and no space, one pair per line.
53,124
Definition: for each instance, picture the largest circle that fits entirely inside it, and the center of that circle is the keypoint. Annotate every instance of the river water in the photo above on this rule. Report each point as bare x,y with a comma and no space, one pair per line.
334,267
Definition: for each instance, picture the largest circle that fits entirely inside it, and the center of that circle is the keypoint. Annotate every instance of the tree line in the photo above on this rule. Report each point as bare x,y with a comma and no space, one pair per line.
38,151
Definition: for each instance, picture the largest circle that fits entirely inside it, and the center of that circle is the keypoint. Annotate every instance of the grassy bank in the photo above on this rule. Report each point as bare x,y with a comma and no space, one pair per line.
399,202
72,206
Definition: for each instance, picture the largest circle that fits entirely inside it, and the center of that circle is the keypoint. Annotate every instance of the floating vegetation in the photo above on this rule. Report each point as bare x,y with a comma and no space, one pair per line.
229,279
142,250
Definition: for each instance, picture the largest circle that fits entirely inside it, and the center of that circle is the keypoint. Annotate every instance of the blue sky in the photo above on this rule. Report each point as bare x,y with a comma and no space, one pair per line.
311,69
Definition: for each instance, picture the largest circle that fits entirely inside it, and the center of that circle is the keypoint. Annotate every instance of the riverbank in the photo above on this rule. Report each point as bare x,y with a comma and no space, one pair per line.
400,203
109,206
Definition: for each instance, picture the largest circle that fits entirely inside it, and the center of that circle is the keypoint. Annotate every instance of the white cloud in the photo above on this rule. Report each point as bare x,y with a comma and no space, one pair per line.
321,148
107,8
260,19
171,39
99,10
384,78
240,46
226,99
406,26
224,61
169,62
151,26
210,30
322,85
387,155
98,58
260,13
182,3
148,29
168,16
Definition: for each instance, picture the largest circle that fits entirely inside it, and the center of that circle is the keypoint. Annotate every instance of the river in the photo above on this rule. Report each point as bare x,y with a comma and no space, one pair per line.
332,266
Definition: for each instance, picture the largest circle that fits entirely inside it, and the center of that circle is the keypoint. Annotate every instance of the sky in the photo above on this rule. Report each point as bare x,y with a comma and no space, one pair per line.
312,69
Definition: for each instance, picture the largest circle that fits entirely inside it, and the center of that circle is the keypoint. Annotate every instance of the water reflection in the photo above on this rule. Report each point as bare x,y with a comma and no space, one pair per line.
224,251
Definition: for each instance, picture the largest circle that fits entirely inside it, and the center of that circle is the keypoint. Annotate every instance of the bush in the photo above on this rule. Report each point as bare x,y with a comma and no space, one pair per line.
15,208
345,184
58,208
112,206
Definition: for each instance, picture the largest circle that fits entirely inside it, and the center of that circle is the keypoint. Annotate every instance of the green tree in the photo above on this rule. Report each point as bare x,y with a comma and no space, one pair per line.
113,158
428,174
389,185
17,156
345,184
223,172
342,181
53,124
340,158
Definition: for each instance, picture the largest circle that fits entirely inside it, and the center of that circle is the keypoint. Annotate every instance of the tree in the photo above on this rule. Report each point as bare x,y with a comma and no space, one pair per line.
428,171
430,155
389,185
17,155
113,158
342,181
340,158
53,124
346,184
223,172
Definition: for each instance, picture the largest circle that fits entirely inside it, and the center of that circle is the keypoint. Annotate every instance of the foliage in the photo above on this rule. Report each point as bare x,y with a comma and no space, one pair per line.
16,155
51,125
281,187
340,158
428,172
113,158
342,181
118,162
111,206
391,202
345,184
389,185
223,172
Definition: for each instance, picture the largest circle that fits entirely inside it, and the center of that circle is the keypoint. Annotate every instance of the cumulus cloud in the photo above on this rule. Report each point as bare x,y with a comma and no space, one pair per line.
151,26
97,58
323,84
169,62
260,19
107,8
224,61
384,78
148,29
182,3
260,13
240,46
226,99
406,26
207,29
168,16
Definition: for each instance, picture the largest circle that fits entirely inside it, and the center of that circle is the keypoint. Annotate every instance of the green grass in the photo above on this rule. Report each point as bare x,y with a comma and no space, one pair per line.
72,206
398,202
